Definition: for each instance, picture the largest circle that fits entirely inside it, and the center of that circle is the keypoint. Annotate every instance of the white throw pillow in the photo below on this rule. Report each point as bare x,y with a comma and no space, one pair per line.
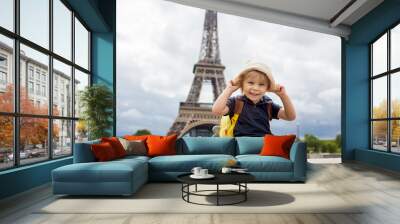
134,147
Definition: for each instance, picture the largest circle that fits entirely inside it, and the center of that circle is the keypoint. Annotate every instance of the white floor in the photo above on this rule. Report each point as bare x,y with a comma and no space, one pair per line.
325,160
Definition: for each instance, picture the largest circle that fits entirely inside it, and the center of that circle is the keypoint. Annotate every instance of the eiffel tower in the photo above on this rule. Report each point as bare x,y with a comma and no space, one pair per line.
195,118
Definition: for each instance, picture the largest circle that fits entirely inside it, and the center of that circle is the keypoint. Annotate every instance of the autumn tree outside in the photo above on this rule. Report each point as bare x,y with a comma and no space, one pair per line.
34,131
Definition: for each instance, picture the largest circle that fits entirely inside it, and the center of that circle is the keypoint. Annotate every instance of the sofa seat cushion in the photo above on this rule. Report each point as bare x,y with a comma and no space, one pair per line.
185,163
257,163
112,171
134,157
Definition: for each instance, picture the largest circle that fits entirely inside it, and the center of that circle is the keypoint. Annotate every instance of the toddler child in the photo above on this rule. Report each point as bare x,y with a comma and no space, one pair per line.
254,81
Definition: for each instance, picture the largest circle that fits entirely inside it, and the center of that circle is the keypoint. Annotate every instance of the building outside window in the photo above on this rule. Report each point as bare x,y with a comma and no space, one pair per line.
3,72
44,77
30,87
30,72
38,89
3,78
37,75
3,61
43,90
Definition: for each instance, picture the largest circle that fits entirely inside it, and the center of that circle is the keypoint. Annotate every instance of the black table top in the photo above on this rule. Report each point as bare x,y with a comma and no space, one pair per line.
220,178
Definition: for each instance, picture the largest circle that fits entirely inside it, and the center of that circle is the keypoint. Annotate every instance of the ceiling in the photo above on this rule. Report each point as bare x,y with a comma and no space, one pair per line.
325,16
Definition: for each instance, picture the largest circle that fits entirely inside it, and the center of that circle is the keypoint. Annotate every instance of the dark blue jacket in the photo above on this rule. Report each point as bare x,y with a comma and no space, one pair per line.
253,120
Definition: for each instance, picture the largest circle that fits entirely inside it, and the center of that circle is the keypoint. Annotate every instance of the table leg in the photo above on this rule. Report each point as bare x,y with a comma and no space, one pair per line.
217,194
245,193
188,190
196,188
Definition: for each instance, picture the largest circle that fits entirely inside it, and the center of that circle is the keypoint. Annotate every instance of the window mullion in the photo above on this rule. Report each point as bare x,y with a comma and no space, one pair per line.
389,94
73,82
50,81
16,84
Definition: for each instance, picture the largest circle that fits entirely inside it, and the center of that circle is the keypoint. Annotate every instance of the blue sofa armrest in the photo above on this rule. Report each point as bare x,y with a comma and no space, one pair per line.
83,152
298,155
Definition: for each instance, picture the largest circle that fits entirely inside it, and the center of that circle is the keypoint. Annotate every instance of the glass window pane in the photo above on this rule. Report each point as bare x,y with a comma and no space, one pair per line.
33,139
81,131
379,135
81,45
62,138
395,94
379,55
81,81
379,97
35,21
34,97
6,142
62,29
395,47
7,14
62,89
6,74
395,136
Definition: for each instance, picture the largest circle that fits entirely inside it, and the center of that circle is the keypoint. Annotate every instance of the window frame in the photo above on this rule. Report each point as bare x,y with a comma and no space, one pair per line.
388,74
18,40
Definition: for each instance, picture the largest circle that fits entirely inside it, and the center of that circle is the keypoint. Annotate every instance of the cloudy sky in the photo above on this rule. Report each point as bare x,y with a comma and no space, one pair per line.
158,42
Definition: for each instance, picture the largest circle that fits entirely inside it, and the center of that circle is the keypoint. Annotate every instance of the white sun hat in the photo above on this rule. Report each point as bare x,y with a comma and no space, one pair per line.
257,66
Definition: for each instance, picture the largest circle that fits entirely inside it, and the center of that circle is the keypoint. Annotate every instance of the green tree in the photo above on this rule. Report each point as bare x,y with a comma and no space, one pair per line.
97,104
329,146
312,142
142,132
338,140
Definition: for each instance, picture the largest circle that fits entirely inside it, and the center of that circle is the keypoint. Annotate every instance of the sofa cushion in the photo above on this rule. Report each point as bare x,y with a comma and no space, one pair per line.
103,151
161,145
112,171
185,163
257,163
249,145
134,147
136,137
206,145
277,145
116,145
133,157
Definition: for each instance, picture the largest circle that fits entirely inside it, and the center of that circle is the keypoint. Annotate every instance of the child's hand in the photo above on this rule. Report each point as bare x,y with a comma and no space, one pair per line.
279,90
233,85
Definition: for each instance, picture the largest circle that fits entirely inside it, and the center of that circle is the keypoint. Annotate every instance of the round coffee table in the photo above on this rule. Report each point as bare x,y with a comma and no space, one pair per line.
238,179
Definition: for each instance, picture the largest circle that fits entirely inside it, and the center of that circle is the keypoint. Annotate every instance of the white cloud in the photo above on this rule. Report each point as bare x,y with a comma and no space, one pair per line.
330,95
131,113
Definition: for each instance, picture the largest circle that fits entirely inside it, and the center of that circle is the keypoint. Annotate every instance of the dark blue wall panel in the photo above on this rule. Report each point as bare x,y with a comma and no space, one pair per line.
24,178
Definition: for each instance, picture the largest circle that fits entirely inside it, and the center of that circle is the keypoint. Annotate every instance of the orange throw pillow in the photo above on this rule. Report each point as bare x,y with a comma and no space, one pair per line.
116,145
161,145
136,137
277,145
103,152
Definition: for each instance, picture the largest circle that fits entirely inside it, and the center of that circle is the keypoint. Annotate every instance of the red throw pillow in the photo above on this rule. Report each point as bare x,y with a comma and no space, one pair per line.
103,152
161,145
277,145
116,145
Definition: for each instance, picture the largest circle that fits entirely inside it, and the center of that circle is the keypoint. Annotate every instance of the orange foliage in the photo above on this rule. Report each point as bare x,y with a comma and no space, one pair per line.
33,130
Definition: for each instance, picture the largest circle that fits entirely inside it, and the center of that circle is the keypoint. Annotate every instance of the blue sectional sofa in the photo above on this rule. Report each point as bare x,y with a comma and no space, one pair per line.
125,176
